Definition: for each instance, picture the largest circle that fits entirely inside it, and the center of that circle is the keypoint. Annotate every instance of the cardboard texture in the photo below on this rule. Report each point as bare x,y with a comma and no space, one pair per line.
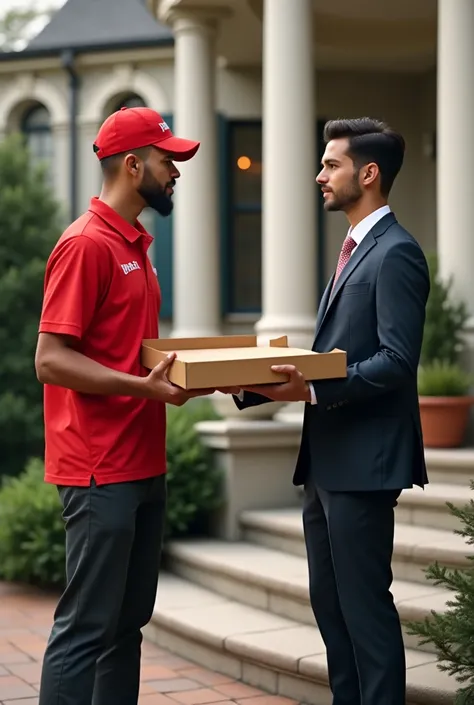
237,360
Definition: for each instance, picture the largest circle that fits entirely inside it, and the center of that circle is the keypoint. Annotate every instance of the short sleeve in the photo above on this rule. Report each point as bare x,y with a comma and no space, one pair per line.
74,282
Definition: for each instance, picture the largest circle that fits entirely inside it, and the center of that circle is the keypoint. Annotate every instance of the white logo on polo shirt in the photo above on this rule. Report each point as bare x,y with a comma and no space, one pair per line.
130,267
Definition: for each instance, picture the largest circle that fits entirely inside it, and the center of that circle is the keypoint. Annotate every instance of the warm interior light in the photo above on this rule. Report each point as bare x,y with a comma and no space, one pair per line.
244,163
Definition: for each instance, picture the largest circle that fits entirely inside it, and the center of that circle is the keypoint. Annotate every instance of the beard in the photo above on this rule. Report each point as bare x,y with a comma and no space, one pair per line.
346,197
155,195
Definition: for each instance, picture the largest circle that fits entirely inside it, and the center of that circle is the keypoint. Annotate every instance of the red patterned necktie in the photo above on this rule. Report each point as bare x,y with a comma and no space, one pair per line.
344,257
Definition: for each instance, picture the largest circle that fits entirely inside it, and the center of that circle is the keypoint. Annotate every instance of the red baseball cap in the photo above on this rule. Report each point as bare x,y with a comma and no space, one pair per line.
131,128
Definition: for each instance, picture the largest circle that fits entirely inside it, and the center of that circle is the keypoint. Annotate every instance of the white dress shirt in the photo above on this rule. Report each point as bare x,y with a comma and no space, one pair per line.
357,233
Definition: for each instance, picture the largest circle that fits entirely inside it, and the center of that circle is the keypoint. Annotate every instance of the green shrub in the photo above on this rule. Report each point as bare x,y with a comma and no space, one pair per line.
29,227
193,481
32,536
451,631
442,379
445,320
31,529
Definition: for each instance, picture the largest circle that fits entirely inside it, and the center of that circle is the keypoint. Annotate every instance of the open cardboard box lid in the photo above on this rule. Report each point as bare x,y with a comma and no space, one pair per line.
237,361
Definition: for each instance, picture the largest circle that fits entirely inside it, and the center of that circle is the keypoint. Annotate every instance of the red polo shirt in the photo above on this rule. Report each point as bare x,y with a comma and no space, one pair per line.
101,289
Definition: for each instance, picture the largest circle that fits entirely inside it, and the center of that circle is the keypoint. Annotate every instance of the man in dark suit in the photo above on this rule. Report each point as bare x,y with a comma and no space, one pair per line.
362,441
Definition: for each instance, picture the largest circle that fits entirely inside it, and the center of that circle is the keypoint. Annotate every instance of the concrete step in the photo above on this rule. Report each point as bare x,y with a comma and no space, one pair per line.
265,650
415,547
429,508
278,582
450,465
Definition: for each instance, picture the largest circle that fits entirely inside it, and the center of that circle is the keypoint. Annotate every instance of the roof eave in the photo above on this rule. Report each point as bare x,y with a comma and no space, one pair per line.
84,49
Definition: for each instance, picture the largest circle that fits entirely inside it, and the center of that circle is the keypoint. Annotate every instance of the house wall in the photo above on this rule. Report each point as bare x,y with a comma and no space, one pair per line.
406,101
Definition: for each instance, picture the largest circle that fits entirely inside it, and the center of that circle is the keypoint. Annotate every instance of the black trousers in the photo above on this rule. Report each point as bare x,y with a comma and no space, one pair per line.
114,536
349,542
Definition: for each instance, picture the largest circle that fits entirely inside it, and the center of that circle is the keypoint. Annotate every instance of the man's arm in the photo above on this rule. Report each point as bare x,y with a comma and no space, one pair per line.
402,291
58,363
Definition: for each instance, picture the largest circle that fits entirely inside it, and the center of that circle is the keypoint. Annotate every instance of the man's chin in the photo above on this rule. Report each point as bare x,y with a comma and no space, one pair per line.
332,206
164,209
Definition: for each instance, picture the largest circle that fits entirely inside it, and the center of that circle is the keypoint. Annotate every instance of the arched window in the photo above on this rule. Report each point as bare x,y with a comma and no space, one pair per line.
36,126
131,100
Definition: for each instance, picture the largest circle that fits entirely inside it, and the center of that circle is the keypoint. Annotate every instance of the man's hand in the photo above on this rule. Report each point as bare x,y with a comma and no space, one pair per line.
159,387
295,389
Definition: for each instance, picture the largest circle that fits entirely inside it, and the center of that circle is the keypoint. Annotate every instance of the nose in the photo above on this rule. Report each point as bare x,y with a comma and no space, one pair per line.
175,173
321,178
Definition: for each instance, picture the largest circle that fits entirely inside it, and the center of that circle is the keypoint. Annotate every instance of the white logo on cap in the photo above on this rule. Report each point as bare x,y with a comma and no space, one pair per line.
164,126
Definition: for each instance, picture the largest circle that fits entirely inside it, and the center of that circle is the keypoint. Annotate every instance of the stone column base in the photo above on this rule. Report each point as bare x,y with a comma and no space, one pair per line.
257,459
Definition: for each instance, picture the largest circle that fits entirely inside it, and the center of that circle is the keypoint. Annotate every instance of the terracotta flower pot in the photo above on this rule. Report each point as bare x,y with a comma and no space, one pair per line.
444,420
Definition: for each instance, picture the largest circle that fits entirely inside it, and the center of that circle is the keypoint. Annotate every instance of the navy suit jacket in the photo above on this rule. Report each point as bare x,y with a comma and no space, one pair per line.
365,434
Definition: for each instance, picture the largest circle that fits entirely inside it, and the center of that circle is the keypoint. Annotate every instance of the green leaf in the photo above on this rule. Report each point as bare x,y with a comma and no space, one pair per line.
452,632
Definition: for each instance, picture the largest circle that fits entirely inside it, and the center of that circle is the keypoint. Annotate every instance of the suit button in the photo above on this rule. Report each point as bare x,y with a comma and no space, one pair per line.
334,406
328,408
341,403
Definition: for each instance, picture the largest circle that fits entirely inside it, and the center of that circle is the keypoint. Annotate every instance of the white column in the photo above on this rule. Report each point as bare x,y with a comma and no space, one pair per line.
61,167
455,145
90,174
196,292
289,171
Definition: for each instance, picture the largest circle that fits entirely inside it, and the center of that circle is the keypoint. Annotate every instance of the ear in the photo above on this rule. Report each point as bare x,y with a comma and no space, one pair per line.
369,173
133,164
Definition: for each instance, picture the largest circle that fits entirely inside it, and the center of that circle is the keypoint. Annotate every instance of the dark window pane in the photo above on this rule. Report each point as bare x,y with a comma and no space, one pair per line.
246,164
246,262
36,118
36,126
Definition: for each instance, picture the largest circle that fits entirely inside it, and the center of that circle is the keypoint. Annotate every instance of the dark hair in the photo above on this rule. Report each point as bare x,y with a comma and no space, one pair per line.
110,164
370,141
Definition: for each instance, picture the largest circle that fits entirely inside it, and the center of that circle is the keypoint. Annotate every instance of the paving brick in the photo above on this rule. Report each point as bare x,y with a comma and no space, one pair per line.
13,655
197,697
29,672
205,677
267,700
146,689
237,691
174,685
155,699
12,687
155,671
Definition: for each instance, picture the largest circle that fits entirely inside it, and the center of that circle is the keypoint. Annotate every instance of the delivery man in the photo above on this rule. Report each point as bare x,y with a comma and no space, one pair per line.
105,416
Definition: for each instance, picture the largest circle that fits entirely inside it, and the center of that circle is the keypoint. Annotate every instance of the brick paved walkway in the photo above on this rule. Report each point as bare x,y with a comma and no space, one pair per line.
25,622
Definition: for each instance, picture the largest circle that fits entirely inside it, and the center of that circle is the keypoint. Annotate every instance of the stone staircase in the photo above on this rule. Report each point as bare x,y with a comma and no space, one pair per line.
243,607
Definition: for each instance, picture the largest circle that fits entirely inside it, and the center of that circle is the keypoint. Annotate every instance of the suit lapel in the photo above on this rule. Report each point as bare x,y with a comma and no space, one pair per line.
369,241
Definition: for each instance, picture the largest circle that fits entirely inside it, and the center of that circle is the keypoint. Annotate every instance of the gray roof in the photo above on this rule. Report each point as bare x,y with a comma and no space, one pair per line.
99,24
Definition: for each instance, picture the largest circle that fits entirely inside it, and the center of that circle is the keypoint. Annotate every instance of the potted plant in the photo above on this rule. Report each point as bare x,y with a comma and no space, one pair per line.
444,403
443,384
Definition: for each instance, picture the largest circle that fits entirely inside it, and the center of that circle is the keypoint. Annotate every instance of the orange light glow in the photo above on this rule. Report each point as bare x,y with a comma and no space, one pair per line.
244,163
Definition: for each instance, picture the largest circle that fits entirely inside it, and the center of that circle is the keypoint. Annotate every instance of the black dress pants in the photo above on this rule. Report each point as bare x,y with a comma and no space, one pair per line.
114,537
349,541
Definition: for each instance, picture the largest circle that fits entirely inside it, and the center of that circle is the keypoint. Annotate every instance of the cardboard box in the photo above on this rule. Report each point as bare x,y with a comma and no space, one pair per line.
228,361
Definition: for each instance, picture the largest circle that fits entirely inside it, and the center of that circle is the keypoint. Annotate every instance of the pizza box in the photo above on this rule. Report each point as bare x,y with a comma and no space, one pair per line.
238,361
